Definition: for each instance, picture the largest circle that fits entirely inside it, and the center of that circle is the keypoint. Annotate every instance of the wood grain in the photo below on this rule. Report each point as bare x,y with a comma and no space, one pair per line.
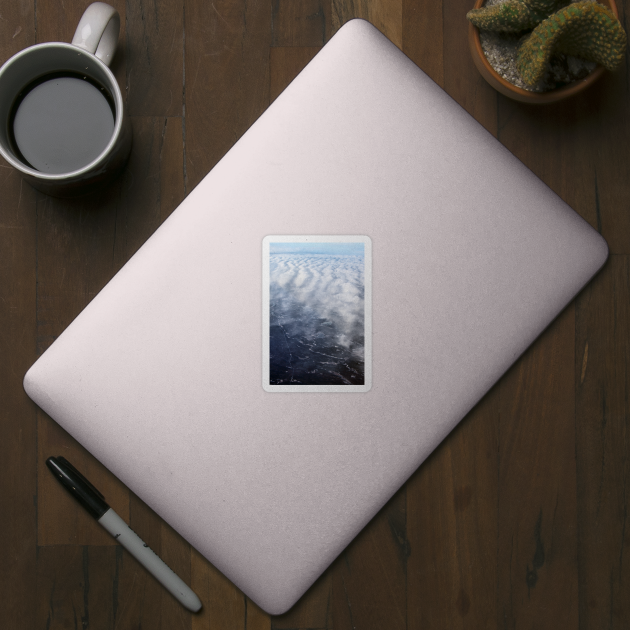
422,36
602,380
285,64
386,15
537,511
517,520
609,134
224,606
76,587
461,79
226,78
57,22
369,577
573,149
452,515
300,22
313,610
18,416
151,187
154,57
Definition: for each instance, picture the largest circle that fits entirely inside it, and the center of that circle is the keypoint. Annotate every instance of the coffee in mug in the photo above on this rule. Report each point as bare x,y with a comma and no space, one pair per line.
65,128
61,122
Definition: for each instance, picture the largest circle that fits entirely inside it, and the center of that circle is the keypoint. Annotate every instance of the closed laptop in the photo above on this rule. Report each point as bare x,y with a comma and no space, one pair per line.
316,316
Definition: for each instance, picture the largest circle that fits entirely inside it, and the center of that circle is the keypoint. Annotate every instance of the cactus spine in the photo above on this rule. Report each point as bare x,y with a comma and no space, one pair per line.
513,16
584,29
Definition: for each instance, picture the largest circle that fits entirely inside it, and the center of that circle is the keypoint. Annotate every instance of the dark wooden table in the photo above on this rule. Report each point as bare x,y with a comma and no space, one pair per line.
518,520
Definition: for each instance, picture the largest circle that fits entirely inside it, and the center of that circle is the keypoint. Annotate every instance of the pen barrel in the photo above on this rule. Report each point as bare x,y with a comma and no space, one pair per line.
149,559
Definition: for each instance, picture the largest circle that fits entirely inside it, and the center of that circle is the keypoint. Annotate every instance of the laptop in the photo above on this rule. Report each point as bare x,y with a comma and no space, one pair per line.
316,316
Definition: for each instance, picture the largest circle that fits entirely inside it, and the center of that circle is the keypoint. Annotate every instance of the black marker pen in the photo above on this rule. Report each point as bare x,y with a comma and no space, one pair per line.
94,502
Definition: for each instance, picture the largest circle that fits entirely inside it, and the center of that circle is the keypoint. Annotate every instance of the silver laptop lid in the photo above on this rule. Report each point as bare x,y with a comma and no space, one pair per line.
419,258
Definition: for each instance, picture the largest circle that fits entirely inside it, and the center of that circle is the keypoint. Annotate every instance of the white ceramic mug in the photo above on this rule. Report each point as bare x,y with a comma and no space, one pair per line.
88,57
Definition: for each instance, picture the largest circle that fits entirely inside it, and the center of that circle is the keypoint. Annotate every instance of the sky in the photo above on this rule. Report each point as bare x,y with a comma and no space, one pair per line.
333,249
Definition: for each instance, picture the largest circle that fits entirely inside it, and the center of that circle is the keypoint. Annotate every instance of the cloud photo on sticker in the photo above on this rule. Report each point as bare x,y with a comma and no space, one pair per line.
317,313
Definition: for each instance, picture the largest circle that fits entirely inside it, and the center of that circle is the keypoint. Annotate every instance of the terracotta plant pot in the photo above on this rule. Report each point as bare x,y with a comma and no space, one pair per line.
519,94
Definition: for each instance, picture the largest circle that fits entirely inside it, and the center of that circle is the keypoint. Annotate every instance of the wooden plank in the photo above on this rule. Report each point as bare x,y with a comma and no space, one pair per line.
226,78
74,248
369,577
76,587
573,148
17,28
558,147
608,127
154,57
386,15
55,23
171,158
422,36
313,609
452,527
461,78
300,22
152,185
18,424
285,64
255,618
537,537
603,441
565,146
18,482
224,606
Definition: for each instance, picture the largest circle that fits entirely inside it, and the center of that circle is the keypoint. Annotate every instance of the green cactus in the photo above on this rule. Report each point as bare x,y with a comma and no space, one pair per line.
513,16
584,29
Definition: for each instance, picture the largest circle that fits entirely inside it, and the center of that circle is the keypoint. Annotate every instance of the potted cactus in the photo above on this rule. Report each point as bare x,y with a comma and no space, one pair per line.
558,49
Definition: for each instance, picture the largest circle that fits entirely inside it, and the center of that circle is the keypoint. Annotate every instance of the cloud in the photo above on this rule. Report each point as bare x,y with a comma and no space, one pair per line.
316,294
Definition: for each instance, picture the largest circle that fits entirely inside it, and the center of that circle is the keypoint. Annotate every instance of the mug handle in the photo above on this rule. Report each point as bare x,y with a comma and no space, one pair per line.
98,30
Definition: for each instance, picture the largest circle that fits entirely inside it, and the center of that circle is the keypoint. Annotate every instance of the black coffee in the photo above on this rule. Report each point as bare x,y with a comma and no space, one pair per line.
61,123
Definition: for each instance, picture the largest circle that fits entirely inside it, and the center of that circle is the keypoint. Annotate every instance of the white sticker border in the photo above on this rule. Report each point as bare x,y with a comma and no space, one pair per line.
367,261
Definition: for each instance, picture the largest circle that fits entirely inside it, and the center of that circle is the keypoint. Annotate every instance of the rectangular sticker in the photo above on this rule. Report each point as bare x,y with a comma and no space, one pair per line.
317,313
